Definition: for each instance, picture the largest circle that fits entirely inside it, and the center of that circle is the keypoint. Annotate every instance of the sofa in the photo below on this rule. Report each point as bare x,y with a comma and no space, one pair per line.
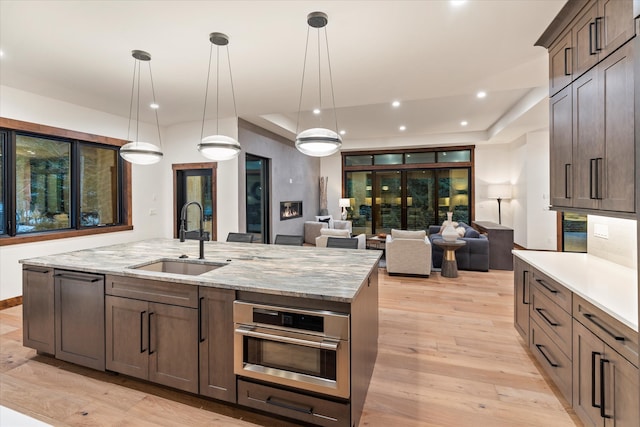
312,228
472,256
408,253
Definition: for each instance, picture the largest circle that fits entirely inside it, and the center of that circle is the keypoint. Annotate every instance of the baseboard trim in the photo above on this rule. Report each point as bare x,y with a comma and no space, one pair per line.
11,302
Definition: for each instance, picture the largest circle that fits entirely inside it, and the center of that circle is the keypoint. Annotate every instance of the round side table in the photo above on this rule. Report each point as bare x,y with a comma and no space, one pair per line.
449,264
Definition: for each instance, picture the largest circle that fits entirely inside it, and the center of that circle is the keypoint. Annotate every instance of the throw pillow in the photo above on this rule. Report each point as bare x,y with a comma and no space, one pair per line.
334,233
460,231
472,233
407,234
326,218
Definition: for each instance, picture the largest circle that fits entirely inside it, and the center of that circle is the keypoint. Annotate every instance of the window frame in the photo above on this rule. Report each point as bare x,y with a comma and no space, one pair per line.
13,127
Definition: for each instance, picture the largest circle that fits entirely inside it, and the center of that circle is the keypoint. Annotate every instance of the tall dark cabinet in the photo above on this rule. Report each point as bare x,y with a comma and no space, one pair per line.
591,85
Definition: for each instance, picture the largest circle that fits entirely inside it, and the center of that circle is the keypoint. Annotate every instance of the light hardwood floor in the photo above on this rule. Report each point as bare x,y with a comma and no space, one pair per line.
448,356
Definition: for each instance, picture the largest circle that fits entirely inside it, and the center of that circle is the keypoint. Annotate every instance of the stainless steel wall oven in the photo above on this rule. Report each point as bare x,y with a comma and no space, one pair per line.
301,348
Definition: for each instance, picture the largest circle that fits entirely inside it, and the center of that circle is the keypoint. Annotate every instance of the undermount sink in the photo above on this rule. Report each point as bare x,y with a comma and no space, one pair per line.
175,266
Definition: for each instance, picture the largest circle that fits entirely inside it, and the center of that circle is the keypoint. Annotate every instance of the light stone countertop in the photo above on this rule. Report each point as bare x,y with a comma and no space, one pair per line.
609,286
299,271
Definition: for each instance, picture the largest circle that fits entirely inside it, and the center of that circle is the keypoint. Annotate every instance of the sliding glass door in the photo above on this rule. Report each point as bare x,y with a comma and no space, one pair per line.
407,199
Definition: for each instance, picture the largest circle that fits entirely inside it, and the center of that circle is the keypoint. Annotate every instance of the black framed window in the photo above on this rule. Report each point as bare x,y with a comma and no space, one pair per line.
52,184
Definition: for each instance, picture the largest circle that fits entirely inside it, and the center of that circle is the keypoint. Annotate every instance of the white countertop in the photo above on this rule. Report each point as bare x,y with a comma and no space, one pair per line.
609,286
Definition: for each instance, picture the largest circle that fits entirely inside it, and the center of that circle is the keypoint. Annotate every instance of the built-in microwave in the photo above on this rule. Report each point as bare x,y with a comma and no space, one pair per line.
300,348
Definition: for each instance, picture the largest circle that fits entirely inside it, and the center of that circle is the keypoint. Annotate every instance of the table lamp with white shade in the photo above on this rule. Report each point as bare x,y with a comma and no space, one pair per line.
344,204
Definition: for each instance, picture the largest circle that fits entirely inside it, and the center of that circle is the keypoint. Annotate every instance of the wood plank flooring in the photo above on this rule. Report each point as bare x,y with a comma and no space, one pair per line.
448,356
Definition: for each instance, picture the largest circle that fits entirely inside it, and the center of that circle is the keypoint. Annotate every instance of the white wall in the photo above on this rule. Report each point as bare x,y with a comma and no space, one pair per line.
621,244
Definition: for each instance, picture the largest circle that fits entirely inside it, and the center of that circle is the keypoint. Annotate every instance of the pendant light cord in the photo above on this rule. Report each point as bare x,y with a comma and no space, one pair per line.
206,92
233,92
333,97
133,86
304,67
217,90
153,94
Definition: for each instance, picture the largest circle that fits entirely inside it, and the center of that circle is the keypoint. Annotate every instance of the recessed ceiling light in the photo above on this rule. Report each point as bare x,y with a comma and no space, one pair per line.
402,128
316,111
395,104
457,3
481,94
154,106
464,123
1,53
342,132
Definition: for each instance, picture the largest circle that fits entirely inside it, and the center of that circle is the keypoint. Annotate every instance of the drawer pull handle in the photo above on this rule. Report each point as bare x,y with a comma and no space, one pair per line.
200,338
591,318
525,276
594,354
603,390
289,405
540,347
78,278
547,287
149,337
544,316
142,349
36,270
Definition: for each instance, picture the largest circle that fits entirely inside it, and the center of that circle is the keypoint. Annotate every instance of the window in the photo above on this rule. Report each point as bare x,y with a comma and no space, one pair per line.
58,183
42,184
411,195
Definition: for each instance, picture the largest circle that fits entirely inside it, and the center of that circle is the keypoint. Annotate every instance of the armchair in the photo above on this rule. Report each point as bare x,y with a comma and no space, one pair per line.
312,228
408,252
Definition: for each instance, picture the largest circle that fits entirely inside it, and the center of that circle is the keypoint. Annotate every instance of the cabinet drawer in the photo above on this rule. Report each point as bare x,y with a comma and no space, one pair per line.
552,289
293,405
152,290
555,321
618,336
552,360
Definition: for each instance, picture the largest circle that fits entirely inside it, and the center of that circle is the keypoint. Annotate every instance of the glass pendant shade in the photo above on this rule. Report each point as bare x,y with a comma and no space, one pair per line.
318,142
138,152
219,147
141,153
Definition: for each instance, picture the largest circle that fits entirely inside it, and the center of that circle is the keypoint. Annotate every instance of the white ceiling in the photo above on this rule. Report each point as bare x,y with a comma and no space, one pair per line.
430,55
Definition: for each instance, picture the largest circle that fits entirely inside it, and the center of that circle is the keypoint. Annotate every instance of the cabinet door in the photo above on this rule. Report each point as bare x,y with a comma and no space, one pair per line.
620,378
127,333
173,346
38,309
616,79
79,306
585,54
560,63
217,379
588,152
588,351
615,25
521,298
561,146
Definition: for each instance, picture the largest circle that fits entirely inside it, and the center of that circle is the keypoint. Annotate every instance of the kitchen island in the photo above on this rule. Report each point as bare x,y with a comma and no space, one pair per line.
126,308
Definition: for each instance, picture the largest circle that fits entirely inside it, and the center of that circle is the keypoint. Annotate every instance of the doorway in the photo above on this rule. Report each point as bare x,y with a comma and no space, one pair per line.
257,197
195,182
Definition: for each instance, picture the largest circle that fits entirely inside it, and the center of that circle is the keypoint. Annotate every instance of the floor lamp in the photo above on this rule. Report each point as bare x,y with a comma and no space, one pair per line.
499,192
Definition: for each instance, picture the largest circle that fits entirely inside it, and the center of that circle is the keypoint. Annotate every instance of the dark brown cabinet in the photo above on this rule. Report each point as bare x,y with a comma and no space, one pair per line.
592,138
591,110
217,378
500,244
603,382
521,298
38,326
149,339
79,318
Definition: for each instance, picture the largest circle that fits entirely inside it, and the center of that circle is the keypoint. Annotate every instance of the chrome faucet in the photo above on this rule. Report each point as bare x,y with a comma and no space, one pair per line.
201,235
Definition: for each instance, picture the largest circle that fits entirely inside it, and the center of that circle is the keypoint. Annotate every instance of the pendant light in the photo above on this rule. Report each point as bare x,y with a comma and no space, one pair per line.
218,147
318,142
136,151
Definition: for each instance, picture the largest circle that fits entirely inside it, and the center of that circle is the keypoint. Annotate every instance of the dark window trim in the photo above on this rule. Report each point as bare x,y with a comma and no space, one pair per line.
470,165
35,129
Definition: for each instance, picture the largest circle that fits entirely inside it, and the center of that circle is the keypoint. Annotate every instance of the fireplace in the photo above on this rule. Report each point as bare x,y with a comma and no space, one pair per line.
290,210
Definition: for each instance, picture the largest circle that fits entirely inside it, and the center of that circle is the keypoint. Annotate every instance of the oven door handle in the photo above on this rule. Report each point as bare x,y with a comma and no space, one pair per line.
324,344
